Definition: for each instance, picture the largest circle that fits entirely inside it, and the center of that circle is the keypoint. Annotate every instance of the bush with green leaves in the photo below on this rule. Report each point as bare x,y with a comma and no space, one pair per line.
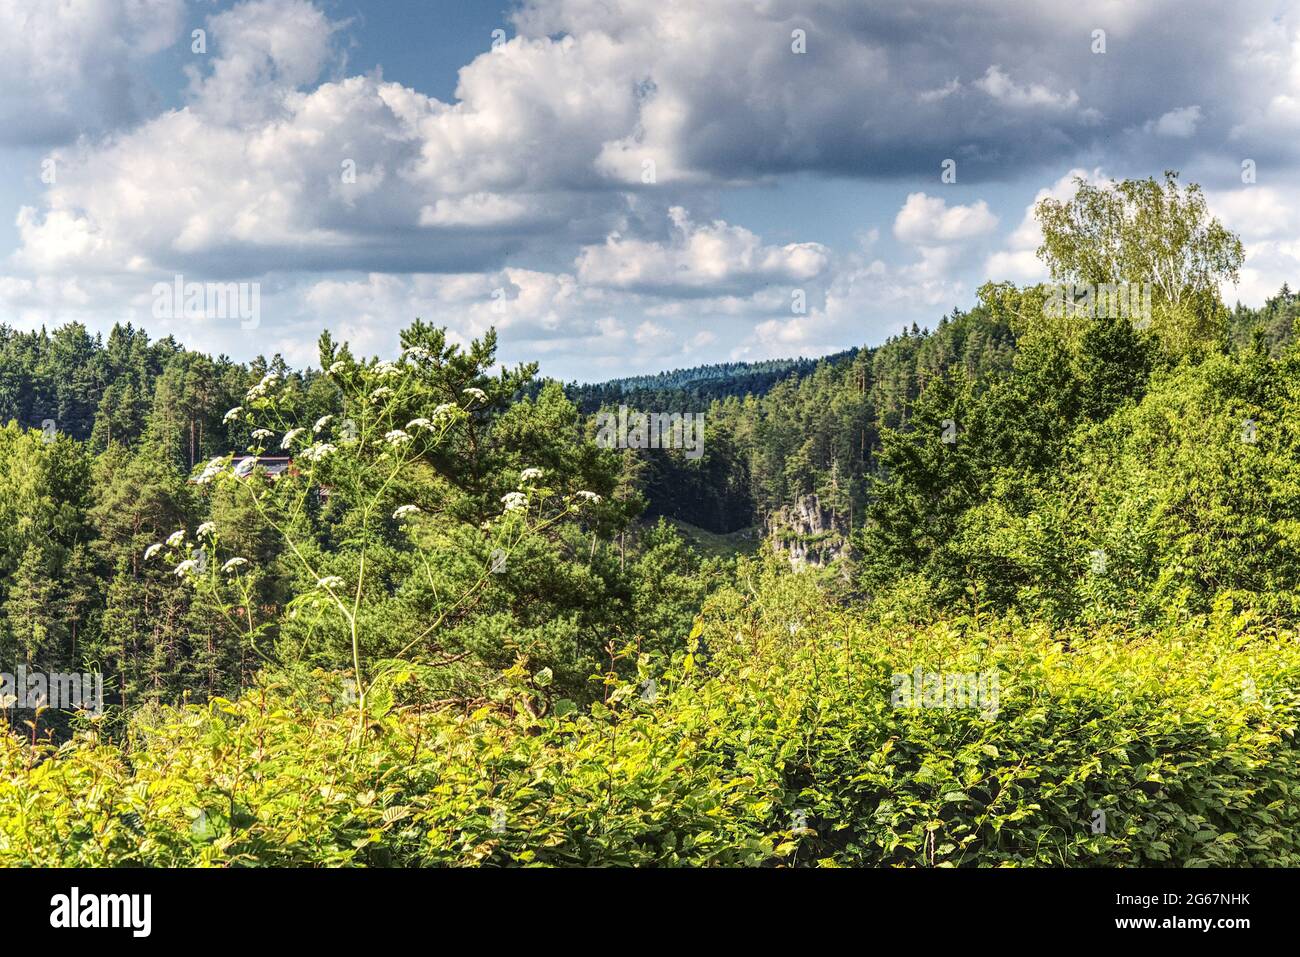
772,739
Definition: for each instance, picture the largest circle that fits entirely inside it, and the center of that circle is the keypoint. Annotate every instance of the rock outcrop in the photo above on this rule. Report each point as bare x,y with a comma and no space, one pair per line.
808,534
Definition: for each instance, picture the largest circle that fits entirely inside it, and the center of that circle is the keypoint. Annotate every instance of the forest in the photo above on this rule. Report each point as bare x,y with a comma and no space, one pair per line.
407,611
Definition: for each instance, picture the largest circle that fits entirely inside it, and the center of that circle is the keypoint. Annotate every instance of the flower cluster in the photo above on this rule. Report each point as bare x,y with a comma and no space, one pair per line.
175,542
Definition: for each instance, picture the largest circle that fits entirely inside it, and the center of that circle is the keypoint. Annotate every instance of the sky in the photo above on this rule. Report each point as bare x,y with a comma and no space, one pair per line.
616,186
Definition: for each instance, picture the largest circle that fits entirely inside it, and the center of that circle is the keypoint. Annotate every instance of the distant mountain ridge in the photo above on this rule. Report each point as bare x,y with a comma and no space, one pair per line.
699,384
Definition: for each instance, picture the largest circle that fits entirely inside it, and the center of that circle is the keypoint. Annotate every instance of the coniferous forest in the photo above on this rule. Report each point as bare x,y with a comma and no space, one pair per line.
1018,589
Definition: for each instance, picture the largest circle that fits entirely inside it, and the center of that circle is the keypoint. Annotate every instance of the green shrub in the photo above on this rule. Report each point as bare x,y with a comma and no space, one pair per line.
771,741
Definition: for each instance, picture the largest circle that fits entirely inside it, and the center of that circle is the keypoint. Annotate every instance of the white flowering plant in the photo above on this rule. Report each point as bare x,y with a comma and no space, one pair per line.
364,476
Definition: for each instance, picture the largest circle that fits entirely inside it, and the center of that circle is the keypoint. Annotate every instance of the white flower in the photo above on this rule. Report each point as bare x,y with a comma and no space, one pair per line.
417,352
318,451
589,496
405,510
337,367
385,369
419,424
152,550
175,538
397,437
211,471
323,421
184,567
232,414
529,475
234,563
207,528
245,465
379,393
259,390
514,501
262,433
290,436
447,408
330,581
476,393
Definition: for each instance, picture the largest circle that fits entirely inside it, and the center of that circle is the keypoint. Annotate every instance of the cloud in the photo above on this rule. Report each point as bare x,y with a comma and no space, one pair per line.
266,165
265,50
1255,212
713,259
1180,123
998,85
561,170
929,219
1264,217
867,301
551,132
1269,56
71,67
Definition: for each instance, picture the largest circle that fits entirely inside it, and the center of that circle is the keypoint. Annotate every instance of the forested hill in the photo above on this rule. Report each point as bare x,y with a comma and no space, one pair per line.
688,388
776,430
121,388
818,431
813,431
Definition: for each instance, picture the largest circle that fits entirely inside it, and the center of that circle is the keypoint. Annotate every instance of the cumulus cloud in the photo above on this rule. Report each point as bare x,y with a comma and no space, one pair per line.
712,258
1180,123
1264,217
929,219
551,131
74,66
998,85
867,301
264,51
267,165
1255,212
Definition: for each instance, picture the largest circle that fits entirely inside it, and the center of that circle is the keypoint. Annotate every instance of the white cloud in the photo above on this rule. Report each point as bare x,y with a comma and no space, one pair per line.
69,66
929,219
1265,218
1268,58
1255,211
715,257
997,84
939,92
264,50
549,132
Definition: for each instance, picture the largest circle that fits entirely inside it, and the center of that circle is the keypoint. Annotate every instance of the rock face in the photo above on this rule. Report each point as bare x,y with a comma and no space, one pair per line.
808,534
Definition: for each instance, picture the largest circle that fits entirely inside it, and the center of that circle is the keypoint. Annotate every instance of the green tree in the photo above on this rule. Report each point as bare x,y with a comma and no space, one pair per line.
1144,231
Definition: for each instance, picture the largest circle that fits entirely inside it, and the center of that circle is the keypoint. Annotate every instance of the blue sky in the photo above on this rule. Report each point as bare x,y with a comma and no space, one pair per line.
616,186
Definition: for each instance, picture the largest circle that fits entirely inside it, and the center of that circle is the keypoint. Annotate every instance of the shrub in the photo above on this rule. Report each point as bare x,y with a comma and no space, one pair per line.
770,740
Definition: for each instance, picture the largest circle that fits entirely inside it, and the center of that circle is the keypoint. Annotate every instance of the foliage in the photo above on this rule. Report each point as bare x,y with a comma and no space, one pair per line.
771,739
1146,232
